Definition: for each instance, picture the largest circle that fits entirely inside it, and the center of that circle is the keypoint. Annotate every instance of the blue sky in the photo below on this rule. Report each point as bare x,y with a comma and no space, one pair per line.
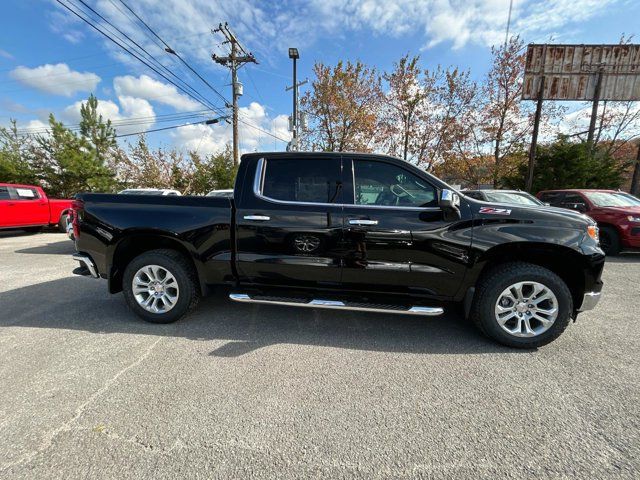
50,61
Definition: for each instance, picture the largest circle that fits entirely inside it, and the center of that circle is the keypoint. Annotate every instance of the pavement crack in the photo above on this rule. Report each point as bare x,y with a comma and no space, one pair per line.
66,426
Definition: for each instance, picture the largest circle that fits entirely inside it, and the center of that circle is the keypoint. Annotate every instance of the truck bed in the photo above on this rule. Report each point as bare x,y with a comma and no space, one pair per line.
201,226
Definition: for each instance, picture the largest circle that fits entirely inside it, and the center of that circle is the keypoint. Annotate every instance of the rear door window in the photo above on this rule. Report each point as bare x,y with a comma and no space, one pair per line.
305,180
552,198
23,193
4,193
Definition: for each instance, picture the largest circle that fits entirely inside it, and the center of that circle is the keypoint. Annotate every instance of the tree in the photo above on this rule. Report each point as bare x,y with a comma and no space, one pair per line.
404,104
344,104
214,172
507,123
565,164
15,163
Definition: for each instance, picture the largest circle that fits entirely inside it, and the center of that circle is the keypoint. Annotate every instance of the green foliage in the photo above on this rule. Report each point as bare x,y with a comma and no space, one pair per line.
565,164
214,172
15,165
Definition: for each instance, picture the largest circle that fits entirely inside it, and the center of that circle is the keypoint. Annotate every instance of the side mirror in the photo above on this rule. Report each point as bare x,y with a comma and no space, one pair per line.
449,199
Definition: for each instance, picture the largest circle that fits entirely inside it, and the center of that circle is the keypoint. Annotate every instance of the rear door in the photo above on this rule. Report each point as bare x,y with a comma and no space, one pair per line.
289,225
397,237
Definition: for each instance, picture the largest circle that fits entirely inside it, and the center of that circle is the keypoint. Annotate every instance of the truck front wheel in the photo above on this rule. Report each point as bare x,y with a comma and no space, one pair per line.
522,305
160,286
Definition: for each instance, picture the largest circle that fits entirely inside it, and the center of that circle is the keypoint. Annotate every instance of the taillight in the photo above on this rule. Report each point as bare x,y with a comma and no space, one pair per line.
76,205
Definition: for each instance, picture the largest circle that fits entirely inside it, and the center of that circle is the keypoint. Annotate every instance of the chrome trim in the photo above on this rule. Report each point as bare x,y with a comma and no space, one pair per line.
337,305
357,221
258,185
261,218
86,260
589,301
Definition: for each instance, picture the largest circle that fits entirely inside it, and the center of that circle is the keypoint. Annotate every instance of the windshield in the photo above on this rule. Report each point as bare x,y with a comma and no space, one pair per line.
512,197
628,196
606,199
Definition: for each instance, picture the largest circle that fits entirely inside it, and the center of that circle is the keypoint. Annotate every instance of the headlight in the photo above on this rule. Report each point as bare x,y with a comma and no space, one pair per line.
593,232
634,218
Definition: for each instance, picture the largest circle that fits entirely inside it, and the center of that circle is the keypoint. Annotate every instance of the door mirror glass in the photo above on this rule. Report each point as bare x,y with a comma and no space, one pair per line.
449,199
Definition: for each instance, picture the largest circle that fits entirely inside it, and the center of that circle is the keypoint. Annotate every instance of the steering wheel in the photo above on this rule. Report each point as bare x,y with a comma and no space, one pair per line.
402,193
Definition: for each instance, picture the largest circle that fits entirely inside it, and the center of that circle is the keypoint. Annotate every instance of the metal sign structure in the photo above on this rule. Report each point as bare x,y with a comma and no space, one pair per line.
577,72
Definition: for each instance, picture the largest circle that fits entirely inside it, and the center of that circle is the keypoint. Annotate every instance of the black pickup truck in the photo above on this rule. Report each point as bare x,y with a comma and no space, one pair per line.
346,231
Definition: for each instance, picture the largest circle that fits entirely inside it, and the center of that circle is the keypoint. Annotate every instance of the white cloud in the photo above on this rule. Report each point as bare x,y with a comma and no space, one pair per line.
254,129
268,27
5,54
56,79
150,89
125,111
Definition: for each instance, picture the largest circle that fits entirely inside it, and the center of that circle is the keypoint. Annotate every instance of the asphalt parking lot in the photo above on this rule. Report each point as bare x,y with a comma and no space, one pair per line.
87,390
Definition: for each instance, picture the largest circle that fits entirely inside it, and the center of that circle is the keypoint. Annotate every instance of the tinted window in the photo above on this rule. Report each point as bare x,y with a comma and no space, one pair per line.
307,180
378,183
573,198
476,195
551,198
4,193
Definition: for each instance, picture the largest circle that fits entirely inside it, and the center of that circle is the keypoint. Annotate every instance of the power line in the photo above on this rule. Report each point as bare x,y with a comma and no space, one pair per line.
125,121
141,49
206,122
206,104
170,50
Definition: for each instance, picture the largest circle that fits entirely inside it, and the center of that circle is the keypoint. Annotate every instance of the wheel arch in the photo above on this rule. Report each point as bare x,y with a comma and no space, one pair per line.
565,262
135,244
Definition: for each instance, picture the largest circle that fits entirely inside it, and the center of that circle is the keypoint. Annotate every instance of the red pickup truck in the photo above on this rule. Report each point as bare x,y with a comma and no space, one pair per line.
617,214
27,206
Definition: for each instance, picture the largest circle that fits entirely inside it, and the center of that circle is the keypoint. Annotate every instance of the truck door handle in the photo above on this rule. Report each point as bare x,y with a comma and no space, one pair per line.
259,218
358,221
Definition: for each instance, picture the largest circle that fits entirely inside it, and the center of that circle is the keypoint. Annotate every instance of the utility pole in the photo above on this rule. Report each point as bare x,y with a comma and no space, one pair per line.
238,57
294,124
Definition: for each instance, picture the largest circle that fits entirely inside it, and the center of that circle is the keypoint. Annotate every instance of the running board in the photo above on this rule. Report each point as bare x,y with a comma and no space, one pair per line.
336,305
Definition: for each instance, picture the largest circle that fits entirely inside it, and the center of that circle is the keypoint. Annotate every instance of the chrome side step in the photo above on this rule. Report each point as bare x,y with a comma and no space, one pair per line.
336,305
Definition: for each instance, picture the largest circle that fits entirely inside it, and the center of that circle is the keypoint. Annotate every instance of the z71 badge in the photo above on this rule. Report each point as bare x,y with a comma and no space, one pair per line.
495,211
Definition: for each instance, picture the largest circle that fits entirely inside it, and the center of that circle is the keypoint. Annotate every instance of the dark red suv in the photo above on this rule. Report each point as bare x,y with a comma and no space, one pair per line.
617,214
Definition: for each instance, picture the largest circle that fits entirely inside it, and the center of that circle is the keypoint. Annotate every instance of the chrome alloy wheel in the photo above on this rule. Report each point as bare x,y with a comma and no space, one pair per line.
155,289
526,309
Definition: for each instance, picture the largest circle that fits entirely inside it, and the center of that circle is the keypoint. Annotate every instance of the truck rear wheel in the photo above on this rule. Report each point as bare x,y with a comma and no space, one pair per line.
63,223
160,286
522,305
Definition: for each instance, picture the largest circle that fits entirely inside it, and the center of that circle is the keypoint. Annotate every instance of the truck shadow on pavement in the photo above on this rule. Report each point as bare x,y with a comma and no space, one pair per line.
63,247
83,304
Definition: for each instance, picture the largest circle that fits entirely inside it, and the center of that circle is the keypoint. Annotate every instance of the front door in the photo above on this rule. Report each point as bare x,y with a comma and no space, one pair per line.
397,238
289,228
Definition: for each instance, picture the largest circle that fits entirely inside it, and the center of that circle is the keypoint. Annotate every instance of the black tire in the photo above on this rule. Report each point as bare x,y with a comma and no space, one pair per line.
501,277
180,268
610,241
63,223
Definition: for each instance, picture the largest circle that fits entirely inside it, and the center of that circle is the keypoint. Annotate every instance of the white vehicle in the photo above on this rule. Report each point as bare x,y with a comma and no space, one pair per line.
149,191
221,193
